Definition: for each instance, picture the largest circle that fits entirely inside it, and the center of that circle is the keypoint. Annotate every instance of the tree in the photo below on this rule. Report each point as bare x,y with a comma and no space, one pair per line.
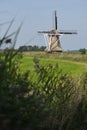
82,51
31,48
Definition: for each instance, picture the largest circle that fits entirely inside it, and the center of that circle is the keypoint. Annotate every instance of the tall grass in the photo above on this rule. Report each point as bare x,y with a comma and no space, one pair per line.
54,101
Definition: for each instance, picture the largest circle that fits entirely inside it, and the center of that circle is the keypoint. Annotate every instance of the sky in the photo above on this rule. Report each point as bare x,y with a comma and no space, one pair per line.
37,15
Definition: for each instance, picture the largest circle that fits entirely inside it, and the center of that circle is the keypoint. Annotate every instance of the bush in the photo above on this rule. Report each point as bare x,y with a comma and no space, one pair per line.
54,101
63,97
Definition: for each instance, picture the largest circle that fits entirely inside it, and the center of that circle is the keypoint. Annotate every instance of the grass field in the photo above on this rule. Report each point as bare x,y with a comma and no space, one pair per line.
69,63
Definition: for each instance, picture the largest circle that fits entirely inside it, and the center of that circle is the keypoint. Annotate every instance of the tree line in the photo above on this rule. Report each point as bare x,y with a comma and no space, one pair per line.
31,48
42,48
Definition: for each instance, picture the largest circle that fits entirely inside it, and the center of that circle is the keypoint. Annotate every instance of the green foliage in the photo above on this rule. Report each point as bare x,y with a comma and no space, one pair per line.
31,48
63,98
54,101
82,51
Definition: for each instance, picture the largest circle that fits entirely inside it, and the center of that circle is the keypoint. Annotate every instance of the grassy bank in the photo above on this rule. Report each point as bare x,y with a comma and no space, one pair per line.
70,56
67,65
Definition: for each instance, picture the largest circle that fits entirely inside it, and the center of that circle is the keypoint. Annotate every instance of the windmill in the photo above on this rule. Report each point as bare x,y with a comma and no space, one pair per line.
52,37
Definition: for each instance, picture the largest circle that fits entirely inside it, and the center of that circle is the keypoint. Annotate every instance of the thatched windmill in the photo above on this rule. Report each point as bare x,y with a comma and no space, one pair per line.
52,38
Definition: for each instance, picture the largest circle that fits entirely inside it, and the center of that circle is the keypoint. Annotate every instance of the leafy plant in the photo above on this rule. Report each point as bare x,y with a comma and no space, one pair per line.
54,101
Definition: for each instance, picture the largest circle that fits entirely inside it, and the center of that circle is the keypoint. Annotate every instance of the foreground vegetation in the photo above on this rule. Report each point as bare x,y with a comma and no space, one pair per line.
55,100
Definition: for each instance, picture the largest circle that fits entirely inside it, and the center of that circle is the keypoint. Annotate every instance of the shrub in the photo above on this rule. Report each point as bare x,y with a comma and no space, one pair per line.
54,101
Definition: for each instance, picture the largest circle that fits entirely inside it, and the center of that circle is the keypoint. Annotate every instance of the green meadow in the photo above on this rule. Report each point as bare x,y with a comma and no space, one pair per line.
67,66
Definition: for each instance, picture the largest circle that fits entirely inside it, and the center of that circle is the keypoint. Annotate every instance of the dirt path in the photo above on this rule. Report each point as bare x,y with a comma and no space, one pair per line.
74,62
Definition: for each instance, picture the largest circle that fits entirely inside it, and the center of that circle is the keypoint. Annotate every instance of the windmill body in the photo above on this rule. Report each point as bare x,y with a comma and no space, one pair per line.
52,38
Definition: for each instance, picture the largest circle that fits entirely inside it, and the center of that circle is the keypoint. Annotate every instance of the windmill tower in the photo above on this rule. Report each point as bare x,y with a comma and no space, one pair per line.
52,37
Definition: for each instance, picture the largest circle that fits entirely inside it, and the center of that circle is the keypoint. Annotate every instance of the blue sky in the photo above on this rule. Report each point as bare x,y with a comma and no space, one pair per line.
38,15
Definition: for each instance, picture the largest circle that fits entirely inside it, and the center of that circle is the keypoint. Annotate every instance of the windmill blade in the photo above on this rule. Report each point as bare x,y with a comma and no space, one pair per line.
43,31
67,32
55,20
53,41
50,33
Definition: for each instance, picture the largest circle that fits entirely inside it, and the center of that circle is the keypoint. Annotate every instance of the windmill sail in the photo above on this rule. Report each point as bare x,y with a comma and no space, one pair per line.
53,41
55,21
